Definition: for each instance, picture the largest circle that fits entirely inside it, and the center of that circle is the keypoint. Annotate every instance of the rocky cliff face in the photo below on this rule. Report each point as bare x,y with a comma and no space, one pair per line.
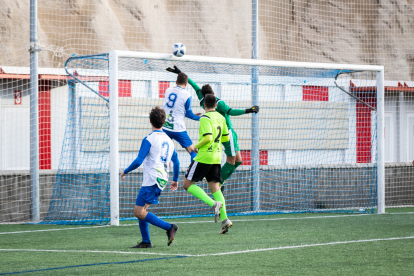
353,31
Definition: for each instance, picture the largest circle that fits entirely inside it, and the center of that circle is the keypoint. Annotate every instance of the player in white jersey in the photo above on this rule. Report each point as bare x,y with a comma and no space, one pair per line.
156,152
177,105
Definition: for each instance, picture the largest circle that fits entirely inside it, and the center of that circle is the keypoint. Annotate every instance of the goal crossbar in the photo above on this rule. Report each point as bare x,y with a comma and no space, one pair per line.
250,62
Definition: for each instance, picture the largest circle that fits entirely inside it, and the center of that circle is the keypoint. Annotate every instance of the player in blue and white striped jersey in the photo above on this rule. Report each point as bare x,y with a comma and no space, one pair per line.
177,105
156,153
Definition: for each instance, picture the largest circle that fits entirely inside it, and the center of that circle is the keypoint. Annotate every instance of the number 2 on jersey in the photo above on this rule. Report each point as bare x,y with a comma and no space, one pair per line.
217,140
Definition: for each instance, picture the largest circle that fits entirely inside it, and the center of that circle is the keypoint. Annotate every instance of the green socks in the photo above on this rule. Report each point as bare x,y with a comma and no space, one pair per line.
226,171
200,194
218,196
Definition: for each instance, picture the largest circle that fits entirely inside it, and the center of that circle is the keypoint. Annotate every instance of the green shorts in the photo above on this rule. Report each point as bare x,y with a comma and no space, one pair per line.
231,147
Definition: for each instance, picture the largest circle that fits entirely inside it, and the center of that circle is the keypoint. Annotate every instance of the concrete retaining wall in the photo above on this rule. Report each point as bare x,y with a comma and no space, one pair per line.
282,189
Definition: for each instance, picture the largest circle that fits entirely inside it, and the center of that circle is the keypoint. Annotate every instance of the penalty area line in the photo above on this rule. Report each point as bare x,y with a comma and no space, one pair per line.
302,246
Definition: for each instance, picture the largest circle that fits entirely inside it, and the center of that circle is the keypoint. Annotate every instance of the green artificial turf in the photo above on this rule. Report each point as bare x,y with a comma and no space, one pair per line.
289,244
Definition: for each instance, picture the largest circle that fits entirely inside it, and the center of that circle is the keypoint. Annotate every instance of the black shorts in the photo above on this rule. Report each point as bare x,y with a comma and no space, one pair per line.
197,171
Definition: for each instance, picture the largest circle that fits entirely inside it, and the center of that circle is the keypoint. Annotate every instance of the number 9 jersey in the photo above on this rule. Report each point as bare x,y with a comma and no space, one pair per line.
177,104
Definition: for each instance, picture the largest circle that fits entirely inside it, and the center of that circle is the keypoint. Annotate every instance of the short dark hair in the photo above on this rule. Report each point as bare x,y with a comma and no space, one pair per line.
182,78
157,117
210,101
206,89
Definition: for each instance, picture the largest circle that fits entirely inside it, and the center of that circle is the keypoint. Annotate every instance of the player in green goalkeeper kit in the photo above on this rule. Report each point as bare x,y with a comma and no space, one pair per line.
231,148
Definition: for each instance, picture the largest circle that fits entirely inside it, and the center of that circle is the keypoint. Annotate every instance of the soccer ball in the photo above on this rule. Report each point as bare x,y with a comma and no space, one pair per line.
178,49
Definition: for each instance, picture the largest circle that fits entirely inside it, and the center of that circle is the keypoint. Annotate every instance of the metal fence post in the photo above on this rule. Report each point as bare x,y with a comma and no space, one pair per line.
34,117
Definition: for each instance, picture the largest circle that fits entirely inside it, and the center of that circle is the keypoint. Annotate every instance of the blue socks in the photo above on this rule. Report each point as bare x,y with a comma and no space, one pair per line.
193,155
144,227
154,220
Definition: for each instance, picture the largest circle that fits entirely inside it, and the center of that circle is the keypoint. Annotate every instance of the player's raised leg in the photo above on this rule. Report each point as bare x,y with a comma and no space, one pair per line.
192,152
199,193
184,140
234,159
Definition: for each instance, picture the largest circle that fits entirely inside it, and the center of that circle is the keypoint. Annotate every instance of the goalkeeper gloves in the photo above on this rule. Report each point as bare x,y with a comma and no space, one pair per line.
254,109
175,70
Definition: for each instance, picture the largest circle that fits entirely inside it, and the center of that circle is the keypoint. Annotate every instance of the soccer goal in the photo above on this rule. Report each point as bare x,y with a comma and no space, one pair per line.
313,147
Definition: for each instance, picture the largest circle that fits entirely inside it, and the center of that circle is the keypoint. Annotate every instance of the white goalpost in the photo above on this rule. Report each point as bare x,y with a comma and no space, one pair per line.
113,138
381,148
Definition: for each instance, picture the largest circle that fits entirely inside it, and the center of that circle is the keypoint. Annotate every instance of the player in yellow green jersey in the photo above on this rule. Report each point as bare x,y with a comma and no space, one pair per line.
212,132
231,148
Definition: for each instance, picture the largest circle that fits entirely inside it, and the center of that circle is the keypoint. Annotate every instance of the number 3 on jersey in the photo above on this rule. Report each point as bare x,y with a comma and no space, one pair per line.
172,98
165,148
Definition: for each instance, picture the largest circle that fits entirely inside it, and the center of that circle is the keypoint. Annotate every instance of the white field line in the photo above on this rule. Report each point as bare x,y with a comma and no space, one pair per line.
47,230
404,213
207,221
301,246
213,254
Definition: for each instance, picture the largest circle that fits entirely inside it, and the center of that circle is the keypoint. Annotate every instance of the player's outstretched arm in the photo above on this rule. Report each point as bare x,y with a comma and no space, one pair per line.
253,109
174,70
143,151
196,88
224,108
189,112
176,162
